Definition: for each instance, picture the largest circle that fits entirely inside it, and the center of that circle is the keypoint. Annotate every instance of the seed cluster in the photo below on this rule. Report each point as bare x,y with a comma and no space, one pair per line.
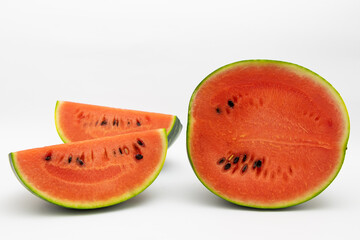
136,147
80,159
116,122
229,105
235,161
257,164
240,100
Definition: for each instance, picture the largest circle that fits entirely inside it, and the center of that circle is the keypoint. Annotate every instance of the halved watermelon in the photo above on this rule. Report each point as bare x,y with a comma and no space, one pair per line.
266,134
77,121
92,173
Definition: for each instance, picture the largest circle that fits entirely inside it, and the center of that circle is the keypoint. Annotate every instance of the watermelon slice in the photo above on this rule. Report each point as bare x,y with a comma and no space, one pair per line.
266,134
92,173
77,122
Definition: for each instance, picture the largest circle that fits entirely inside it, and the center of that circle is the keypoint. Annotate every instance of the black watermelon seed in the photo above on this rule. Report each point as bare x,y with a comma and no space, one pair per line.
221,160
140,142
69,159
236,159
139,156
244,158
227,166
231,103
48,158
81,162
138,123
114,122
244,168
258,164
120,151
218,110
104,122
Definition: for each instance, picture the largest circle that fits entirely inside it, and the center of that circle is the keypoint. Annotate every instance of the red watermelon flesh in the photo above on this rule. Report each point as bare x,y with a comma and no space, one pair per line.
92,173
266,134
78,121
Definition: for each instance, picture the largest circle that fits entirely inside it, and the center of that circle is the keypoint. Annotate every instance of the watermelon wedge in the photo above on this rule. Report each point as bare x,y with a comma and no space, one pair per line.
77,122
92,173
266,134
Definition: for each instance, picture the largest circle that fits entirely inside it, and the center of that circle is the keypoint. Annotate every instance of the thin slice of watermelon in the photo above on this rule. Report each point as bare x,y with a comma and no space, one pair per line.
266,134
77,122
92,173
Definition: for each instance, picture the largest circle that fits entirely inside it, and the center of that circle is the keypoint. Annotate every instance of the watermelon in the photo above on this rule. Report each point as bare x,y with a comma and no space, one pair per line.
266,134
77,121
92,173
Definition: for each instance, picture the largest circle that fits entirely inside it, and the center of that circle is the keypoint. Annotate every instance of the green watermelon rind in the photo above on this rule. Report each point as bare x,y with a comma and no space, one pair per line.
175,131
172,135
90,205
57,124
303,70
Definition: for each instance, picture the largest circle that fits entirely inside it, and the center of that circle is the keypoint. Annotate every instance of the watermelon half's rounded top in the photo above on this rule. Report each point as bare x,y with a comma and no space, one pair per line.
266,134
78,122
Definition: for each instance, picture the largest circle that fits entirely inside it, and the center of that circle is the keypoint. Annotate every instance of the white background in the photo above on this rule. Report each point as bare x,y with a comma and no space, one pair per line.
150,55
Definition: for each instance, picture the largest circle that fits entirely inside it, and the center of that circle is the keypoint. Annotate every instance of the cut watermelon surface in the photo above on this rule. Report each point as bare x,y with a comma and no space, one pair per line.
266,134
92,173
78,121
